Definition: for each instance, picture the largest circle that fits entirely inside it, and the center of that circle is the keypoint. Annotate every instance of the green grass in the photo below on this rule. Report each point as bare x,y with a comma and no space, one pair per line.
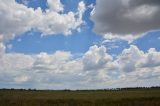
139,97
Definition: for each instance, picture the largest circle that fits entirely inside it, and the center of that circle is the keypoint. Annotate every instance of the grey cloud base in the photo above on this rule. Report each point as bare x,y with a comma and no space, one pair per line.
126,17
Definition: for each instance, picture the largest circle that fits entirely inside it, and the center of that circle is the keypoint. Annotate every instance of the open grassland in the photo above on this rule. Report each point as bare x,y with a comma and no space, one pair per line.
136,97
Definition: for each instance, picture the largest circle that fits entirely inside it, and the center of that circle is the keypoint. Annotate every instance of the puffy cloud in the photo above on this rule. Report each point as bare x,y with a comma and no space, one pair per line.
57,69
61,69
55,5
129,58
58,62
133,59
151,59
14,68
95,58
17,18
15,62
126,17
147,73
137,68
45,58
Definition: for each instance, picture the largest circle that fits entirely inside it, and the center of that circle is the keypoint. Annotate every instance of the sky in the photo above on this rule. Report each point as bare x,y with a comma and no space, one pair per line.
79,44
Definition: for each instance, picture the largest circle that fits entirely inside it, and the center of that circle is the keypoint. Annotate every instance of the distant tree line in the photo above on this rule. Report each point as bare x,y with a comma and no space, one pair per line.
67,90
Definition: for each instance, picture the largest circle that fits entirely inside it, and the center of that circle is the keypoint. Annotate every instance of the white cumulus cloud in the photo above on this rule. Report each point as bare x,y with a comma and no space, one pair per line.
17,18
95,69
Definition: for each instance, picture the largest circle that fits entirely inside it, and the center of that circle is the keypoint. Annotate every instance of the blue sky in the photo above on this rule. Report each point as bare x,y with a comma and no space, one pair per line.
32,42
36,43
77,42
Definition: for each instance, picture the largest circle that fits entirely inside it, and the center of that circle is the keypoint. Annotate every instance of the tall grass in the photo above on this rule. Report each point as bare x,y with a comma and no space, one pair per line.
150,97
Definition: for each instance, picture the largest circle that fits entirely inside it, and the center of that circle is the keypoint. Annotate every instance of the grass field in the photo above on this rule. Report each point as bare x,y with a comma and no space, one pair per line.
136,97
